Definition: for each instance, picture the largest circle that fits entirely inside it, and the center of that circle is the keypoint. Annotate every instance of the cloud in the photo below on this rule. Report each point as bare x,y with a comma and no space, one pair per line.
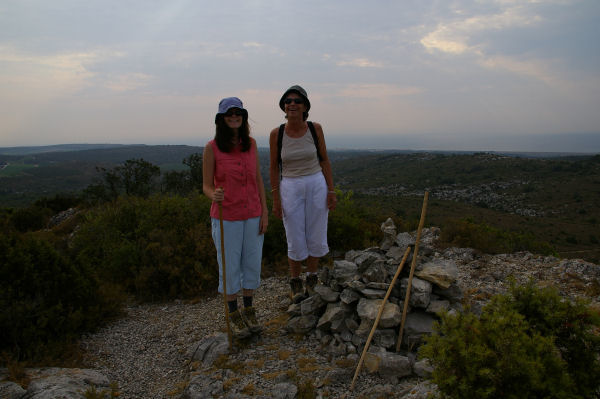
128,82
377,91
461,36
532,68
360,63
253,44
54,74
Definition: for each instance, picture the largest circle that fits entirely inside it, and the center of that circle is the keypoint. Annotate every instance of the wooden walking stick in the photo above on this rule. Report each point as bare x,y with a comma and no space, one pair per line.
387,295
224,276
412,270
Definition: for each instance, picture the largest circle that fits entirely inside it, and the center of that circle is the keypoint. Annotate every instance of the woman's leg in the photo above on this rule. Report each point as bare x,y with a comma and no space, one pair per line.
295,268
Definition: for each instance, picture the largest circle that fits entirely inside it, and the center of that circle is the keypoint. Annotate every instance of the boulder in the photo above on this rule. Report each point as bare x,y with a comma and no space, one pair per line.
441,272
368,308
209,349
389,234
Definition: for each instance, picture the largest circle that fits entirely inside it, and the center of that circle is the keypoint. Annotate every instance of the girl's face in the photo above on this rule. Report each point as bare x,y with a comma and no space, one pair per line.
233,118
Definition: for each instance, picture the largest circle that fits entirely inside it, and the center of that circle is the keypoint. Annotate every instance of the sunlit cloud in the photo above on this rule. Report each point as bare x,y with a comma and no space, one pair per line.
360,63
460,36
65,72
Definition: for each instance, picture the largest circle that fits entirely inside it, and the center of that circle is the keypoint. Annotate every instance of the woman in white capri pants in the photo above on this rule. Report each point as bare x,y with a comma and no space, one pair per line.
302,187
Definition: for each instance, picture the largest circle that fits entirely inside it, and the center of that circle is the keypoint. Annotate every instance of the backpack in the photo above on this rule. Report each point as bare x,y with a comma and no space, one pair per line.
313,133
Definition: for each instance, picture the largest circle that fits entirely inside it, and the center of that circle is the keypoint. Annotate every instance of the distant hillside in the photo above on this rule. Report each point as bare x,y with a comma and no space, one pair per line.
556,200
25,178
53,148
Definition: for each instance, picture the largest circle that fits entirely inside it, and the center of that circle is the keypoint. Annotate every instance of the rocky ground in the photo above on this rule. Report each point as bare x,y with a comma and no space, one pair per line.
147,352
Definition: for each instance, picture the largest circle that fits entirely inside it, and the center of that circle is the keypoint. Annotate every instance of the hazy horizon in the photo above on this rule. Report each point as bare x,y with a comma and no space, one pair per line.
565,143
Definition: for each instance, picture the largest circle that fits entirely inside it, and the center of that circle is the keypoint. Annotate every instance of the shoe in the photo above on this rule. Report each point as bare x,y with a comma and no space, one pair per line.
297,293
250,317
311,281
239,327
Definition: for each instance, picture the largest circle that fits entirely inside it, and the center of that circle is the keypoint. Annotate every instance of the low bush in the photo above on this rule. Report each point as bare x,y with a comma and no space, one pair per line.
530,343
156,248
488,239
49,301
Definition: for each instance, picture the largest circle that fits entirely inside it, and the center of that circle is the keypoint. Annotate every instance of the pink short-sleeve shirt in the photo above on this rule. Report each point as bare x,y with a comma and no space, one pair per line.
235,171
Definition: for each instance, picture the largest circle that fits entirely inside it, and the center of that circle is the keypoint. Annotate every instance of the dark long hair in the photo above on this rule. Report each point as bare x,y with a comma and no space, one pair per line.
224,134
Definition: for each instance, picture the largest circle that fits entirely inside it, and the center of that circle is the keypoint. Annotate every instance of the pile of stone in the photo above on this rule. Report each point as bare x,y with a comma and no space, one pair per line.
350,294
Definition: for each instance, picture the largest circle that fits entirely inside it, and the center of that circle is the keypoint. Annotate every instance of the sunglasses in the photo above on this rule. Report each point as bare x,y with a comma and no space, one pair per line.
236,112
293,100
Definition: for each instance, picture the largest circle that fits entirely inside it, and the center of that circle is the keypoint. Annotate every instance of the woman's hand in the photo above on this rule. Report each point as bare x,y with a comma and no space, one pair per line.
331,200
218,195
277,206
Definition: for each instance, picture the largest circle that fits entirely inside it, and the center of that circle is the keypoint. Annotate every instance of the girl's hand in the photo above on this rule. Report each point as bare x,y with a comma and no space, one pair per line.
218,195
264,222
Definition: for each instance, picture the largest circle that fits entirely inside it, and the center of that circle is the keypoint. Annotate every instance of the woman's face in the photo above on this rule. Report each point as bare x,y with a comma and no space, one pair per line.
294,105
233,118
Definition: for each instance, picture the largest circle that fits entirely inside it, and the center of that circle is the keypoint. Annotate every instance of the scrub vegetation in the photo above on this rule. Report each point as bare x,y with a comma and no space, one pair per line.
529,343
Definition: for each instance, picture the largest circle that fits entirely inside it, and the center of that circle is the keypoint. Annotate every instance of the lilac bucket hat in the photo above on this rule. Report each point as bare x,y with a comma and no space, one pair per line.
228,103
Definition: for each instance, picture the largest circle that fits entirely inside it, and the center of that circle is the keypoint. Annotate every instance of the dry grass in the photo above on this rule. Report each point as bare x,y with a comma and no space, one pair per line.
345,363
16,372
284,354
273,375
307,365
250,390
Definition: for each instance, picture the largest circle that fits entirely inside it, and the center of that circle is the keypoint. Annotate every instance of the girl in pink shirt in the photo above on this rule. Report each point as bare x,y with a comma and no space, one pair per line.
231,177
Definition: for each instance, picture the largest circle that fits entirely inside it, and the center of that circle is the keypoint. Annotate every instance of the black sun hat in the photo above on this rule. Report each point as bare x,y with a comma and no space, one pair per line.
300,91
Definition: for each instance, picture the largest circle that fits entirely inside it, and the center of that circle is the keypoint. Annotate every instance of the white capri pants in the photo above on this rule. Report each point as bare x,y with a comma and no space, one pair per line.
304,205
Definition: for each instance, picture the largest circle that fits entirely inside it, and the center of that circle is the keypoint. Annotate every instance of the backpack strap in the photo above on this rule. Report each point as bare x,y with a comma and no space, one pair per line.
313,133
279,144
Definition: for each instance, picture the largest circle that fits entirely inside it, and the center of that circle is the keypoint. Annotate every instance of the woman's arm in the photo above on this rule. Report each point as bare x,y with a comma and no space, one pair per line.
274,172
264,218
208,176
326,168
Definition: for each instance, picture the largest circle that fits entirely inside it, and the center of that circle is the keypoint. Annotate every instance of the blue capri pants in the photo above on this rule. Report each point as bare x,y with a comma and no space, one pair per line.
243,253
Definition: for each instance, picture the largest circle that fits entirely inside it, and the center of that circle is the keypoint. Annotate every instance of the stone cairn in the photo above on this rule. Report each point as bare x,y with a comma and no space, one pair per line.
348,297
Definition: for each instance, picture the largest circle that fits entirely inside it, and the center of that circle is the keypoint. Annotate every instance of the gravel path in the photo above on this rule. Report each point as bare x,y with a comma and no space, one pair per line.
144,352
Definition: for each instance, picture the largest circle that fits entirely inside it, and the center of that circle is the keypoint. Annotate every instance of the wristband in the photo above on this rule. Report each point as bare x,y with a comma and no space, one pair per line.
274,189
331,192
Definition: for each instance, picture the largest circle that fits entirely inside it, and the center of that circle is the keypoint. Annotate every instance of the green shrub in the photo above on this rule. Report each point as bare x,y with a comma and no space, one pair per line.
527,344
348,226
156,248
59,202
49,300
488,239
30,218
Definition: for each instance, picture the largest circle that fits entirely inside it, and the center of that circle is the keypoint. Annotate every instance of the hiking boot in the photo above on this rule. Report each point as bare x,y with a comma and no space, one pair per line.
297,291
250,317
311,281
239,328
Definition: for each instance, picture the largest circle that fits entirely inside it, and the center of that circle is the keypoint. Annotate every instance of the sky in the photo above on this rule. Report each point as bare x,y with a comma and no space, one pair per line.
489,75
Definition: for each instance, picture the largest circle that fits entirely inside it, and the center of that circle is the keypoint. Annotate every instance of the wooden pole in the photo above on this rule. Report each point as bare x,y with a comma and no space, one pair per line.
229,338
387,295
412,270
